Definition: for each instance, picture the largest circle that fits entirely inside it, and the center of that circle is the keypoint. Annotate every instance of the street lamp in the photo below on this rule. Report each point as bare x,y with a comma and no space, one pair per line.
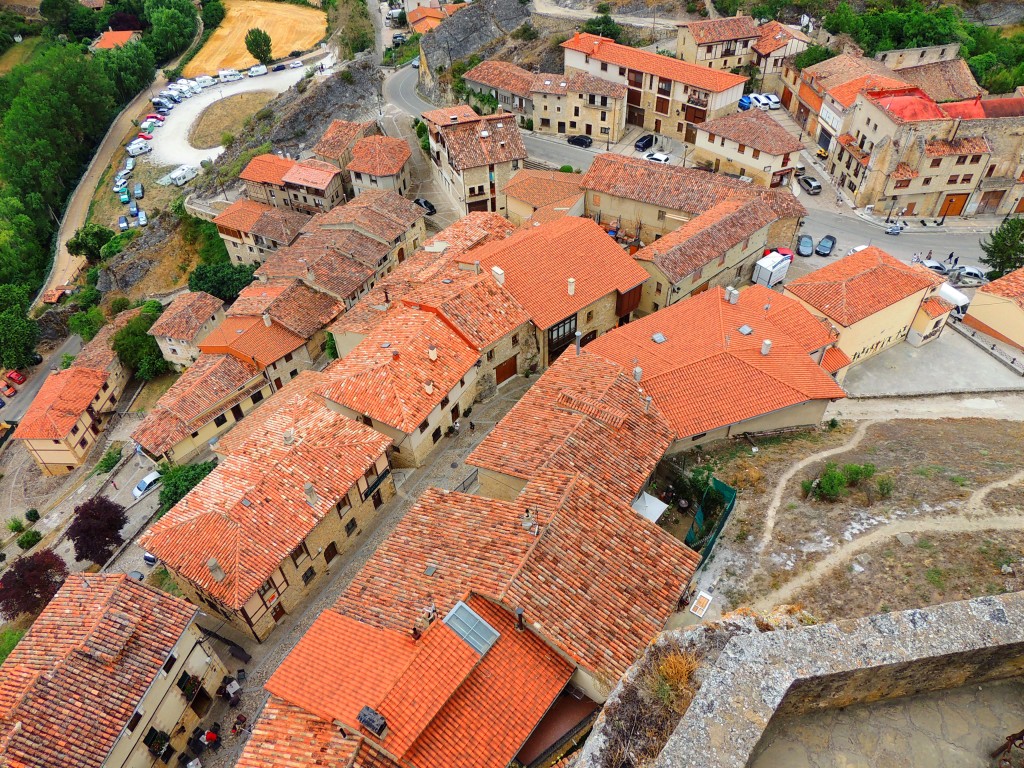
888,216
945,208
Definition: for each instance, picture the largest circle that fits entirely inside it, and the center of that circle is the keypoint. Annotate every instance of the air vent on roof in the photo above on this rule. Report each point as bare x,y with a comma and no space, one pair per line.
547,82
484,134
467,624
746,330
499,125
385,345
430,570
454,118
215,570
562,84
448,280
373,721
659,338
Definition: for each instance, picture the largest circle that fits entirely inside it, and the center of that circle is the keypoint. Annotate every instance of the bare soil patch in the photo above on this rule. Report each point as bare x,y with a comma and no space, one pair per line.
173,260
291,28
152,391
226,116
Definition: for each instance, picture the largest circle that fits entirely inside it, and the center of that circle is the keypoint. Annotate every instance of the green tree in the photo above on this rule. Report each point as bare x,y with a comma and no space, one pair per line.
139,351
131,68
14,296
257,42
225,281
1004,247
87,324
173,24
18,337
213,14
813,54
603,25
176,482
88,240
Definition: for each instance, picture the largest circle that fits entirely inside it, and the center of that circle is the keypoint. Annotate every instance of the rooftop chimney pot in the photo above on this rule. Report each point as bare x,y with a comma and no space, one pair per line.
432,352
215,570
311,497
520,622
638,373
289,436
579,335
572,286
266,319
766,346
647,404
428,385
499,275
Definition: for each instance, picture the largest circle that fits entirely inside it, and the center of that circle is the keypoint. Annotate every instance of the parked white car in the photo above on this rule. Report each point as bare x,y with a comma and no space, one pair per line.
149,481
759,102
138,147
774,102
229,75
183,174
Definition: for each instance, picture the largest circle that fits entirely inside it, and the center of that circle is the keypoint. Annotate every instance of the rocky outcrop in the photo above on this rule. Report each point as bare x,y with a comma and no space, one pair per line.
470,30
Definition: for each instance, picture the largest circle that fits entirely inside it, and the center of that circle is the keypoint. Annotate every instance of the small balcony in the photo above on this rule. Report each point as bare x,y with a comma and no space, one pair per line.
697,101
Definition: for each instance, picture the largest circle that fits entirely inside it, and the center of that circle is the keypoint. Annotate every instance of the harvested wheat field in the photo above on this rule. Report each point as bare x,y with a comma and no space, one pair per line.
291,28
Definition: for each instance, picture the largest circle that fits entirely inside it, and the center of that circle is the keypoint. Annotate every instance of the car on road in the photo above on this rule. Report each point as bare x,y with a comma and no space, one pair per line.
170,96
295,64
125,196
895,229
415,63
143,218
119,184
280,68
145,136
810,184
426,205
644,143
657,157
122,223
967,270
773,101
8,390
16,377
150,480
580,141
133,208
164,110
36,358
140,191
936,266
397,39
826,245
805,245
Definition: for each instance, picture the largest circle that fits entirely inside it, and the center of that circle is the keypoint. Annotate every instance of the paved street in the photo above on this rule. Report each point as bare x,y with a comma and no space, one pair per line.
16,406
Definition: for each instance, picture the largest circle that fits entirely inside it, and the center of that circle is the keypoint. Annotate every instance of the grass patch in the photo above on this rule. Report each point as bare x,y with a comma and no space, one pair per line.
226,116
404,53
153,391
958,480
161,579
231,170
936,577
20,53
929,470
923,543
9,637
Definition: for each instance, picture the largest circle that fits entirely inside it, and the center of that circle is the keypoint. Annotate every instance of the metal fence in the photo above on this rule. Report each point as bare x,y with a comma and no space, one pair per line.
703,534
468,483
1013,362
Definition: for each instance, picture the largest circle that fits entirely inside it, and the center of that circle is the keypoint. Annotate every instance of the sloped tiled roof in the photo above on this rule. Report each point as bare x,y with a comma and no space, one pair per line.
538,263
206,388
252,510
978,108
503,76
241,214
936,307
605,49
707,373
114,39
846,93
291,303
267,169
282,225
580,402
71,684
969,145
315,174
774,35
339,138
540,188
487,140
252,340
60,403
381,213
842,69
722,29
1009,286
861,284
185,316
380,156
907,105
944,80
385,376
756,129
707,237
835,360
341,261
99,354
287,736
458,113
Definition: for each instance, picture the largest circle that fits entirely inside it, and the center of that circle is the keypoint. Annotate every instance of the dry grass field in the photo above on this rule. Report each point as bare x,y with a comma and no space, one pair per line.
291,28
226,116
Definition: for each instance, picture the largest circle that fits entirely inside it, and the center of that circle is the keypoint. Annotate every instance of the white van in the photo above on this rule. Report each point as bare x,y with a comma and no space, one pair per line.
138,147
205,81
182,90
258,70
183,174
229,75
394,14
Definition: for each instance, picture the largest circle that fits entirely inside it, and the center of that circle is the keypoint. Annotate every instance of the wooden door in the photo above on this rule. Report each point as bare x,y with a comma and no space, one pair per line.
1020,206
506,370
456,412
910,209
330,552
787,97
953,205
378,500
278,613
589,129
657,125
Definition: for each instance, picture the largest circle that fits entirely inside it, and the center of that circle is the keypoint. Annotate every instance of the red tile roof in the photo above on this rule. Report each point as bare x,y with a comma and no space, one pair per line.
287,736
540,188
488,140
380,213
978,108
858,154
380,156
773,36
936,307
826,75
1009,286
386,375
902,172
580,402
315,174
252,340
835,360
267,169
756,129
503,76
605,49
114,39
458,113
60,403
99,354
290,303
71,684
906,105
341,261
339,138
708,374
241,214
944,80
861,284
722,29
846,93
186,315
973,145
205,390
253,510
538,263
282,225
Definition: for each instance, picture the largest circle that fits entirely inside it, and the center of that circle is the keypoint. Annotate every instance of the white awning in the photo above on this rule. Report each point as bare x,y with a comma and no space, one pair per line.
650,507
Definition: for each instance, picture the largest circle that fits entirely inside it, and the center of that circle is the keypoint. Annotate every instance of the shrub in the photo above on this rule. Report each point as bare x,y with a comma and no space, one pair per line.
109,461
29,539
347,76
529,123
886,485
178,481
264,114
227,139
566,169
425,143
15,525
32,515
120,304
526,32
31,582
66,360
855,473
421,129
807,486
831,484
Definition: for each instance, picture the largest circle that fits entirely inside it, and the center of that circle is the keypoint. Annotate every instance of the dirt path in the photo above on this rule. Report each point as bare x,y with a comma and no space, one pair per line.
1006,406
972,522
780,486
550,8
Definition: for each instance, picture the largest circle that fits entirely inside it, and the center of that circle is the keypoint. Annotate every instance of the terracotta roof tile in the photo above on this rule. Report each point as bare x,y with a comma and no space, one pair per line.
503,76
722,29
186,315
755,129
291,303
60,403
282,225
341,261
903,171
582,82
287,736
978,108
267,169
241,214
206,388
973,145
539,262
835,360
708,374
380,213
69,687
605,49
250,339
252,510
540,188
487,140
389,383
458,113
339,138
581,401
114,39
843,68
380,156
99,353
862,157
773,36
944,80
1009,286
906,105
936,307
861,284
315,174
846,93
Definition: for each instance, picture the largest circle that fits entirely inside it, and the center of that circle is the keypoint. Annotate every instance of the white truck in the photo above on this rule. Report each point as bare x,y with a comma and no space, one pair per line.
229,75
257,70
771,269
183,174
138,147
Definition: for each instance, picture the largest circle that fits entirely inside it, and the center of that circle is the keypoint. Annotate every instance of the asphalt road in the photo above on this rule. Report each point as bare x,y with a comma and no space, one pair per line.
17,405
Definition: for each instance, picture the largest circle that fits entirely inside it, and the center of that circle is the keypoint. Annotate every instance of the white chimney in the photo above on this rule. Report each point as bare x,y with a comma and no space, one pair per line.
572,286
311,498
579,335
428,385
638,372
766,346
432,352
528,520
499,275
647,404
289,436
215,570
266,319
734,295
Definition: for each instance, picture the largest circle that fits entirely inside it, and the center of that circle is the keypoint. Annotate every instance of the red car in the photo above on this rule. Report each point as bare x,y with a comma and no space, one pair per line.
17,378
8,390
158,118
146,136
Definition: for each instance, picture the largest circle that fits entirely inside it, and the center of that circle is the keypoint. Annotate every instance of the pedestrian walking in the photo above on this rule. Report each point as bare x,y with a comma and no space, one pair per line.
472,427
956,261
949,259
929,255
456,426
